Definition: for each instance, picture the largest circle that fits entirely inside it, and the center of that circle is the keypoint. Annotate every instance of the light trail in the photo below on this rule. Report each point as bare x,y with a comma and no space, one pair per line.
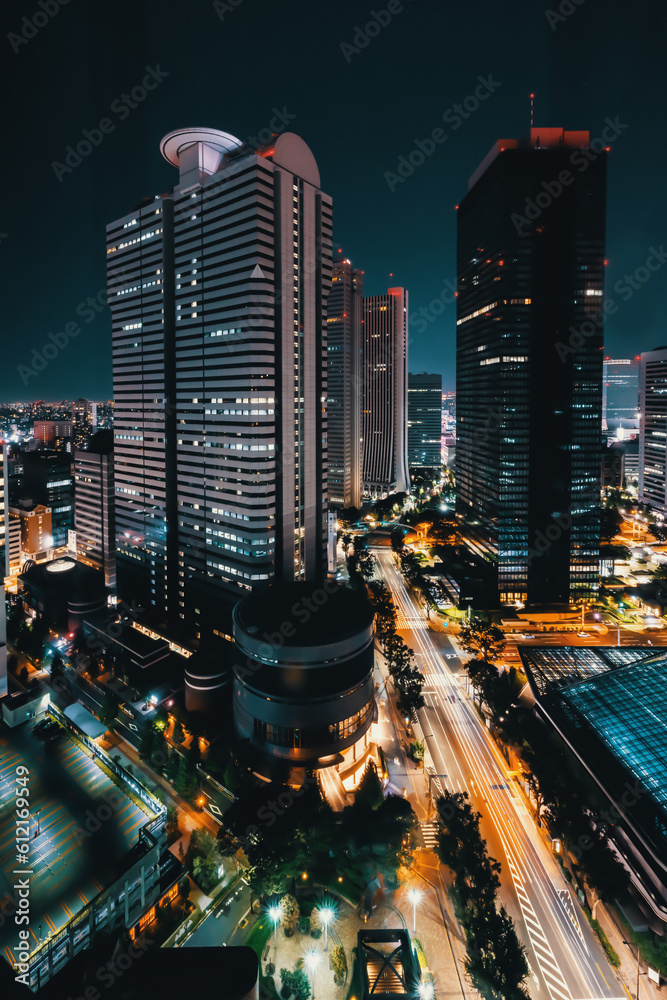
569,959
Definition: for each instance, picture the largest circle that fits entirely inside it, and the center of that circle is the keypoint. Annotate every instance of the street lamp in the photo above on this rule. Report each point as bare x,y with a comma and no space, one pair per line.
312,961
326,916
275,912
415,896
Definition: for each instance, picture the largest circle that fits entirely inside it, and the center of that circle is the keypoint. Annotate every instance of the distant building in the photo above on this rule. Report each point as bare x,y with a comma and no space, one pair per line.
56,434
620,391
47,479
4,563
94,506
652,472
528,391
384,420
424,420
84,420
344,308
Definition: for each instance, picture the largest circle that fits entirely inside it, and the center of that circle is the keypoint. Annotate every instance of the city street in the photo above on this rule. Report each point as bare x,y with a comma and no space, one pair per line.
566,959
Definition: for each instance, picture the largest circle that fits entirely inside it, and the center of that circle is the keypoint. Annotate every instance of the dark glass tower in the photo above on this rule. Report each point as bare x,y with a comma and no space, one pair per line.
531,245
425,420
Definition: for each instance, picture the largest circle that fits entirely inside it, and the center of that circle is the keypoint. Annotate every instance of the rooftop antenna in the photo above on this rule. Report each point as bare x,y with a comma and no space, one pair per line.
532,110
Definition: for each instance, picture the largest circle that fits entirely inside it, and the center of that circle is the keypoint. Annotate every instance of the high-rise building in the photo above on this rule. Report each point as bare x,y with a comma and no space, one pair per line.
47,479
344,307
84,420
384,412
218,294
425,420
529,365
94,506
620,392
652,470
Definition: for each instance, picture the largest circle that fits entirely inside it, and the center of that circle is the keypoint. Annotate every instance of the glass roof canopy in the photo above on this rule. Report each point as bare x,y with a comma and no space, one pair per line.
627,708
621,693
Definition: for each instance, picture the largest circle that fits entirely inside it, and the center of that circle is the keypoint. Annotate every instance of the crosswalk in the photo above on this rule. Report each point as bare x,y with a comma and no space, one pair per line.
429,835
404,621
553,977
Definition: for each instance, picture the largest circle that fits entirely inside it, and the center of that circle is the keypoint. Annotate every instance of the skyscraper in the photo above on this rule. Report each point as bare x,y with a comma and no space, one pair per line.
47,479
84,419
531,246
94,506
218,295
425,420
344,307
620,391
384,412
653,428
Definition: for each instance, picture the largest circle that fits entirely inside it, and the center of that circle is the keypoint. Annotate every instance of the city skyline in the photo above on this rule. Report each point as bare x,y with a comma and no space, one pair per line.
367,209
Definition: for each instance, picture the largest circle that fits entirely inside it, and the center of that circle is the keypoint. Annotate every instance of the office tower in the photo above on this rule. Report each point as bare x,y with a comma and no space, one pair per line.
620,392
47,479
529,365
218,296
652,470
344,307
84,420
425,420
384,412
94,506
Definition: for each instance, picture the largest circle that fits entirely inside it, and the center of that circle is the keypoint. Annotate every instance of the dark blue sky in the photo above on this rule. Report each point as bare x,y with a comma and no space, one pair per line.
359,111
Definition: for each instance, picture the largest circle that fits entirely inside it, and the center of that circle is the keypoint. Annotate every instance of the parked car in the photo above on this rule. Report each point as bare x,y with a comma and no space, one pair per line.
527,635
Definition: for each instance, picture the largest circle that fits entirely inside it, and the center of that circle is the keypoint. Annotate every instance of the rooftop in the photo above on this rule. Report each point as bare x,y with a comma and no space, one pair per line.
318,613
621,694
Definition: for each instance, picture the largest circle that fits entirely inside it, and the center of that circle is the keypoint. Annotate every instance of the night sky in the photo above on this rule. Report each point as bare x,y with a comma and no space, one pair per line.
231,67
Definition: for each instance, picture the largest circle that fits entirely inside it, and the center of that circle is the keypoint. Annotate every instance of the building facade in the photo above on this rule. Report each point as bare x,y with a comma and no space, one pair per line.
652,470
344,308
620,392
84,421
218,296
47,480
94,506
529,384
384,420
425,420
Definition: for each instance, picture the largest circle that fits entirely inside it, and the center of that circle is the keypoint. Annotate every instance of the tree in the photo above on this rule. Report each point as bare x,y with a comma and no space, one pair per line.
369,791
610,523
290,913
177,735
57,667
147,743
172,827
486,642
482,675
109,709
338,964
171,765
410,698
186,779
